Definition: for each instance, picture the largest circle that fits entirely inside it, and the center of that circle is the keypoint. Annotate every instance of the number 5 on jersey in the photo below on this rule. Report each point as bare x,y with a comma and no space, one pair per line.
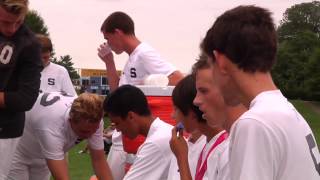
312,145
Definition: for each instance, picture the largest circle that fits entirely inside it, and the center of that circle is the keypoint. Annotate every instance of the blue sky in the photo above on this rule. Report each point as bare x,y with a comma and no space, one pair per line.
173,27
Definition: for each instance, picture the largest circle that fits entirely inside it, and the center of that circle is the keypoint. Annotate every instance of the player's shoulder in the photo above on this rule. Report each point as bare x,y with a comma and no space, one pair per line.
159,132
51,98
146,51
50,106
57,66
162,125
25,35
143,46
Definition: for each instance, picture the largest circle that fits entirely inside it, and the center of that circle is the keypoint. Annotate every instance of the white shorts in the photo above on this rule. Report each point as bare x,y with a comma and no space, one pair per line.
25,168
7,150
116,160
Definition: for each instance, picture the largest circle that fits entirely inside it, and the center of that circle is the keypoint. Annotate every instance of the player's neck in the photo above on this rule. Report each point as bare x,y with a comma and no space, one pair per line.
46,65
233,113
145,124
252,84
131,43
195,136
210,132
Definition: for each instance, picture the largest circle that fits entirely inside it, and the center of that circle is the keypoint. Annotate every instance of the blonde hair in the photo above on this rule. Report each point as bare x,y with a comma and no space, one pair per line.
46,44
17,7
87,107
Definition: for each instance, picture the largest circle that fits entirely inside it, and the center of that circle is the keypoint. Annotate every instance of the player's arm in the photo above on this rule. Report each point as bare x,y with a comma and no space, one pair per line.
105,54
175,77
28,80
52,149
58,169
100,165
179,148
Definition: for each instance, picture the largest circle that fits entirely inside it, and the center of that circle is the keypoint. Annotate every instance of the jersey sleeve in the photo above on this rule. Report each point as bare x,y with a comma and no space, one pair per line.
154,64
51,145
28,76
149,164
96,140
252,151
67,85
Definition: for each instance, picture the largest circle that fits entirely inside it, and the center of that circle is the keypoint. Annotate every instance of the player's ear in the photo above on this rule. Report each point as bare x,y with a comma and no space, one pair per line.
131,115
221,61
118,31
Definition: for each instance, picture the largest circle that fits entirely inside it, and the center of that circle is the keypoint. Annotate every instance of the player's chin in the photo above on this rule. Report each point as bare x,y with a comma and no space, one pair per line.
85,135
131,136
118,51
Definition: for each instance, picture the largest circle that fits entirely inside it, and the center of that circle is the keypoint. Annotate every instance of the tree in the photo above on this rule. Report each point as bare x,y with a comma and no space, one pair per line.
298,18
36,23
299,41
292,70
66,62
313,83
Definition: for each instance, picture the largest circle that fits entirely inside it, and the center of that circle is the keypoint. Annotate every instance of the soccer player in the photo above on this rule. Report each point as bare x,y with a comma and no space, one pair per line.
128,109
54,77
271,140
210,101
212,163
190,116
118,30
20,66
55,124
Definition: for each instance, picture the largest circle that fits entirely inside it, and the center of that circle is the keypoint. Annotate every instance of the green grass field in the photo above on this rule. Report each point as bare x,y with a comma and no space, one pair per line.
80,165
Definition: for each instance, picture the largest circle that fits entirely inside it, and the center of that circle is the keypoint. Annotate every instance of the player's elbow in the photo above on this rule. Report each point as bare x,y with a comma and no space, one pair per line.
175,77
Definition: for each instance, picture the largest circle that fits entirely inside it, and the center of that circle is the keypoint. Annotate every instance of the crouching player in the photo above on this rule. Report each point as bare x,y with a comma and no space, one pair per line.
54,125
128,109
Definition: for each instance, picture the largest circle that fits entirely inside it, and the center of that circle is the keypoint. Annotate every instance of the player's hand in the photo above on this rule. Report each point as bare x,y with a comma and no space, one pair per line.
178,144
104,52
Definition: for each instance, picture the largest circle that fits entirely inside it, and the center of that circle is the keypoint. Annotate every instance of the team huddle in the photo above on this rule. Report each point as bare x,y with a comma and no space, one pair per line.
233,122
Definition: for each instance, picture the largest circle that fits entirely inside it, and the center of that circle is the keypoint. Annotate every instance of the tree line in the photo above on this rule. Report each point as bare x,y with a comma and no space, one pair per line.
297,71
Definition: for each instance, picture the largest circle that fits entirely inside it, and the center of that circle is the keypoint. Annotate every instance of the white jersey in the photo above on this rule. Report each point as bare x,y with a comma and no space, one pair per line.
48,133
213,158
272,141
117,156
218,163
55,78
117,140
144,61
154,155
194,150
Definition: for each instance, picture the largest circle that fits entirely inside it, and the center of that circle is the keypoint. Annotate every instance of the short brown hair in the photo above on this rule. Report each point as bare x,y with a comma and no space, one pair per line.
201,63
118,20
45,42
17,7
87,106
246,35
